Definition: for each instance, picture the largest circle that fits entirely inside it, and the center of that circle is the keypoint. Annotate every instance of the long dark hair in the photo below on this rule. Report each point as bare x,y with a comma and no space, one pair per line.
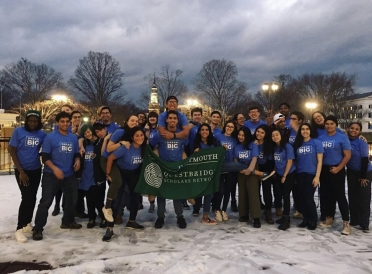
267,141
282,142
152,114
248,138
131,134
314,125
211,141
300,139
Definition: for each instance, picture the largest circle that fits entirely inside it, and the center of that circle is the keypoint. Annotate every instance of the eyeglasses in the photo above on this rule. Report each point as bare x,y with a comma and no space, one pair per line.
241,118
76,117
172,102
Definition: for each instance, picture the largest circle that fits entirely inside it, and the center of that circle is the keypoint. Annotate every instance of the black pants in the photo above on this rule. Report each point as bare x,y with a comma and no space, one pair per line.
359,198
226,181
95,200
130,178
306,192
27,206
332,190
80,204
285,190
58,198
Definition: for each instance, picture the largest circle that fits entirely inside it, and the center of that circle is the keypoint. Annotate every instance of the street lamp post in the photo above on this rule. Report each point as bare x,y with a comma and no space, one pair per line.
270,87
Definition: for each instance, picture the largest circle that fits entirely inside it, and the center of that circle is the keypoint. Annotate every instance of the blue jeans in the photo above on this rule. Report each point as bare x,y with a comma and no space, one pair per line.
50,185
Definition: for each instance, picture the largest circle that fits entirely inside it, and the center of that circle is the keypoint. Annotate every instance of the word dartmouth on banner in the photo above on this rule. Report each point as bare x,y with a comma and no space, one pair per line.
196,176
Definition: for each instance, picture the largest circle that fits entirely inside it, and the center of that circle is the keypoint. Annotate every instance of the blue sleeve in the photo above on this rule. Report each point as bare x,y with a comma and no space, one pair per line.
120,152
318,146
47,145
116,136
364,149
154,140
76,144
14,140
345,143
289,151
162,119
255,151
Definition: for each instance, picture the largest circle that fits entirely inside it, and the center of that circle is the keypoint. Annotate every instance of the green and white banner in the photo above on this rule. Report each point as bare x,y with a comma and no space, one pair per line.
196,176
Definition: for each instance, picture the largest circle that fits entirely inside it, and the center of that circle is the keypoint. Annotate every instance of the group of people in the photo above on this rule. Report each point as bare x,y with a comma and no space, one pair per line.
277,159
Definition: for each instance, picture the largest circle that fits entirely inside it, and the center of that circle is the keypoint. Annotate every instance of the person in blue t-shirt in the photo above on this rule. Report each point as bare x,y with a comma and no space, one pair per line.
172,104
104,114
309,159
359,178
285,171
60,155
296,119
196,115
228,140
254,121
92,178
129,161
170,151
246,151
337,152
215,122
285,109
152,126
204,139
317,122
24,147
118,138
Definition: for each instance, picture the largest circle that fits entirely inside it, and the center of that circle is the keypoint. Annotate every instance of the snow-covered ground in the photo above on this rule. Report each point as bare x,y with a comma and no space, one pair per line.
230,247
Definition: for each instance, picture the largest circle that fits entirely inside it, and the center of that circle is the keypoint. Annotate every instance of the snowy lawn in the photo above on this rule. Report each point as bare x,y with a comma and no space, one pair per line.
229,247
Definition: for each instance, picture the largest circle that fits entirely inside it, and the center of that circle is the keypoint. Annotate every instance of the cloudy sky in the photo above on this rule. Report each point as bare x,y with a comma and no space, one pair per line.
263,38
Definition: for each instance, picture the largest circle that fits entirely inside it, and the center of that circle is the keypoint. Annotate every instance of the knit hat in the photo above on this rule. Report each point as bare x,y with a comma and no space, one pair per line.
98,125
332,118
33,113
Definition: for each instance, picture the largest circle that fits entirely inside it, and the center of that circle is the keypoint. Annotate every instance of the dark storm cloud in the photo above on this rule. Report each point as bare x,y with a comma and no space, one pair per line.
263,38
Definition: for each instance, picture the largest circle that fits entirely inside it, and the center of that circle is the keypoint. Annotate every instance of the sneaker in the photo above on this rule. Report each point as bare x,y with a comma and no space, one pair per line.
181,222
27,228
159,223
303,224
20,237
234,206
191,201
208,221
108,214
279,212
152,207
37,235
195,213
103,224
256,223
56,211
327,223
224,216
218,216
279,221
185,206
311,226
346,230
297,215
118,219
91,223
73,225
108,235
267,175
134,225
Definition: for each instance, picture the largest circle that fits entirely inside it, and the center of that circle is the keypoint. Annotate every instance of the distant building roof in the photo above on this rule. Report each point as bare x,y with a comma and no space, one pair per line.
358,96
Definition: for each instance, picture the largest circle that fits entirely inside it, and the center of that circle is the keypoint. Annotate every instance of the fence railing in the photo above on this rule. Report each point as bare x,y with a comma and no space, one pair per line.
6,163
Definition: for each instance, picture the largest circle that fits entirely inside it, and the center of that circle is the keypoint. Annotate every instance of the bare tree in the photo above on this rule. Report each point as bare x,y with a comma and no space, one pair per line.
218,84
29,81
98,80
169,83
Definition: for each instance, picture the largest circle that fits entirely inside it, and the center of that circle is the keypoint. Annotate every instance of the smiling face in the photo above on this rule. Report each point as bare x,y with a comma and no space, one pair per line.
215,119
88,134
318,118
172,104
105,116
229,129
276,137
354,131
260,134
241,136
240,119
101,133
172,120
254,114
284,110
63,124
153,120
204,132
76,119
138,137
330,126
305,132
32,122
132,121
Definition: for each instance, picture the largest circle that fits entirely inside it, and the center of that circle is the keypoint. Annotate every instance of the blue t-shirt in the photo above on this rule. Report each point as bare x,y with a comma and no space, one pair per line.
128,159
292,136
333,148
230,142
244,155
182,120
288,122
216,131
281,157
192,136
28,145
152,133
262,157
359,149
116,135
253,125
307,156
62,149
112,127
87,176
169,150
